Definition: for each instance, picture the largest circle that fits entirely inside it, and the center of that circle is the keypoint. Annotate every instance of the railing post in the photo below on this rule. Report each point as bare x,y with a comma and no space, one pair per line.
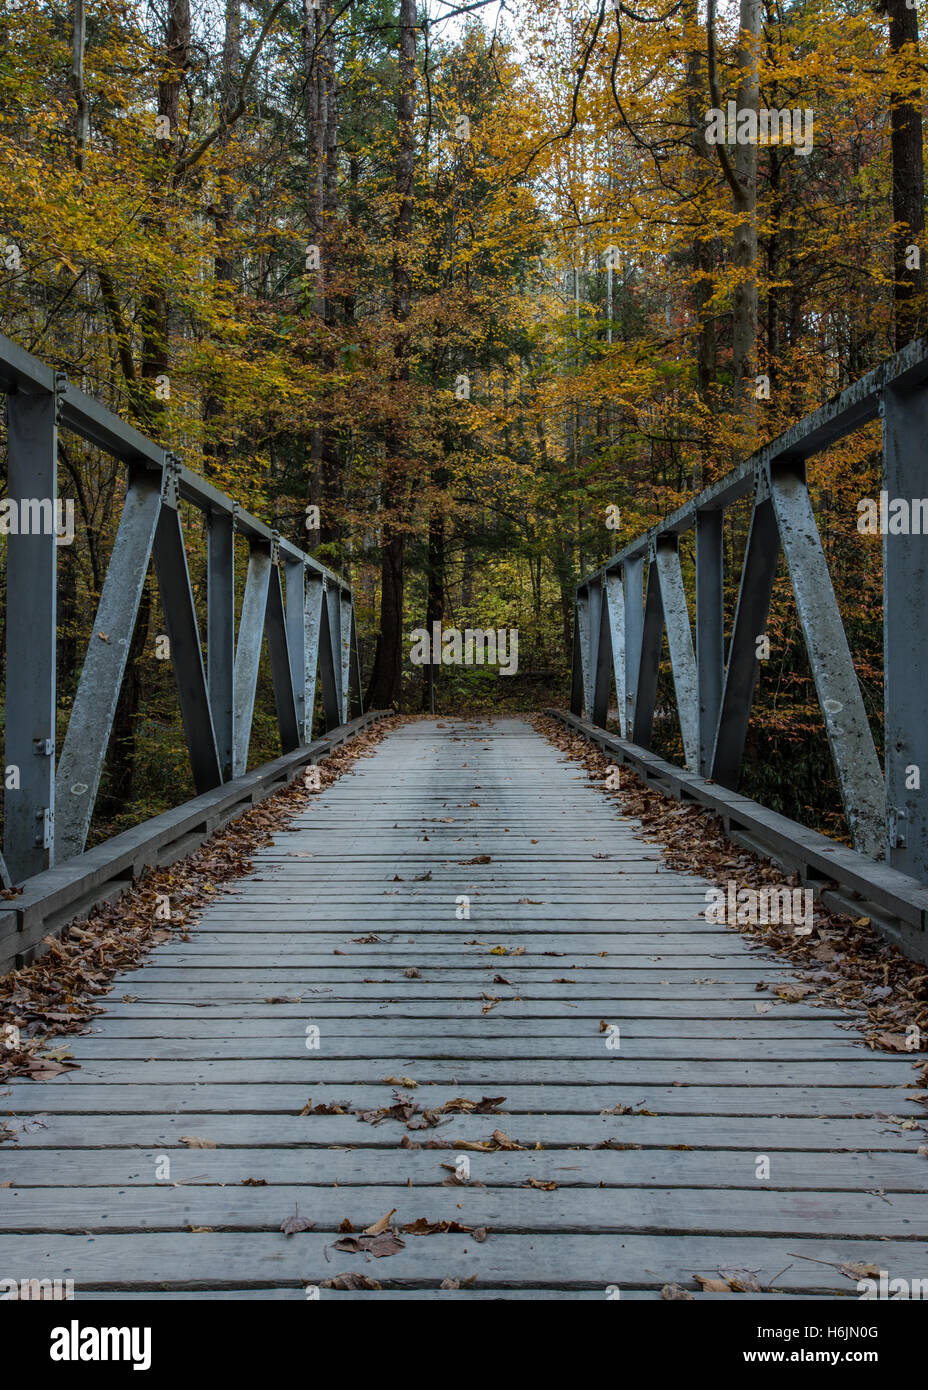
248,650
583,634
312,629
295,571
757,575
633,585
905,634
649,658
615,616
710,640
29,810
220,631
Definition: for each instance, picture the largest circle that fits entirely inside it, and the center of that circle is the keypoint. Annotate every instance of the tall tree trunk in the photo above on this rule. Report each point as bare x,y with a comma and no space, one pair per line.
154,320
744,242
908,181
217,444
386,678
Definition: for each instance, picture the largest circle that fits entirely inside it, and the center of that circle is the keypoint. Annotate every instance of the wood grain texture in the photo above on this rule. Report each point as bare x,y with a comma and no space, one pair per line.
727,1129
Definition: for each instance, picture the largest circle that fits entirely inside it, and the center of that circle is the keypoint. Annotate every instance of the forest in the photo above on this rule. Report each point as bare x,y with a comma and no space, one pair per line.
461,297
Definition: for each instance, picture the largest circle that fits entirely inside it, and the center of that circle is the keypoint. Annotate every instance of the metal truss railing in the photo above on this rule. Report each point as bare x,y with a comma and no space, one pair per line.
621,612
312,635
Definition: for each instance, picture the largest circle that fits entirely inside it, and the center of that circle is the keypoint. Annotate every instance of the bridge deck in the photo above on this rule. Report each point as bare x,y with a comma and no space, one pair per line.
348,922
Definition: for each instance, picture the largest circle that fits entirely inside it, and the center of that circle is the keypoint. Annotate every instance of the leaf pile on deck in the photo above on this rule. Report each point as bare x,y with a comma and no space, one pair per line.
844,962
59,992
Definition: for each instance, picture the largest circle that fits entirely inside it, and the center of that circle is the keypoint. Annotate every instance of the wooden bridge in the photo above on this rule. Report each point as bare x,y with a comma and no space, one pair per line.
463,1081
460,1030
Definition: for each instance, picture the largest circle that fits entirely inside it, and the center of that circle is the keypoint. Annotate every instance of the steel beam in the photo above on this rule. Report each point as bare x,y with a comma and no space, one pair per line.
614,615
757,575
248,651
281,671
633,582
220,632
576,667
328,662
584,632
602,672
355,696
80,766
680,643
294,571
344,629
649,660
312,631
31,560
849,736
710,629
905,634
186,653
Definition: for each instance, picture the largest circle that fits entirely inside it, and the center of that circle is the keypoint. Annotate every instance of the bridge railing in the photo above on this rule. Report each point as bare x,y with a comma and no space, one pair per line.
311,636
622,609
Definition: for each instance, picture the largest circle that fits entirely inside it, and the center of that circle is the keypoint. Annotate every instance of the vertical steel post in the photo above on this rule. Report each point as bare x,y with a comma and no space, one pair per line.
602,673
220,631
29,810
633,582
294,572
757,575
710,628
312,628
905,633
649,660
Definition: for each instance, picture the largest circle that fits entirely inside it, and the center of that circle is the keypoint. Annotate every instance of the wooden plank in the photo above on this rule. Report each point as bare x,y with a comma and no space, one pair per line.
537,1260
89,1098
511,1210
653,1144
322,1167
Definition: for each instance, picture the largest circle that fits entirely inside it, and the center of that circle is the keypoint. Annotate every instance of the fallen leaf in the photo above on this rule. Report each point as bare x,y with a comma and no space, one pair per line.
194,1142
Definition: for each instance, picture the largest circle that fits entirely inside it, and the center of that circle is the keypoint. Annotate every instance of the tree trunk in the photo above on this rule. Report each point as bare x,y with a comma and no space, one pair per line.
386,678
908,183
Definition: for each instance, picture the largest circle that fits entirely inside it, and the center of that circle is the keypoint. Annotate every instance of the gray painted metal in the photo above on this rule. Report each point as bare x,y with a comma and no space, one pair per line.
50,900
710,631
294,572
248,651
220,632
889,822
905,634
216,701
896,902
615,618
281,673
634,635
649,659
186,653
741,671
849,736
680,642
28,833
82,757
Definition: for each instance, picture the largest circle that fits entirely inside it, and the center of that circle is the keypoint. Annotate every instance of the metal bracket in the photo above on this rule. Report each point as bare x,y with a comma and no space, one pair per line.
275,547
45,833
895,826
61,387
236,509
762,484
170,483
43,747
